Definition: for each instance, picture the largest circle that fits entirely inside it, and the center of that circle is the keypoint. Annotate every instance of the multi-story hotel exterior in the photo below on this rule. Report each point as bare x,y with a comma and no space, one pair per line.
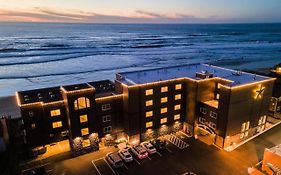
230,106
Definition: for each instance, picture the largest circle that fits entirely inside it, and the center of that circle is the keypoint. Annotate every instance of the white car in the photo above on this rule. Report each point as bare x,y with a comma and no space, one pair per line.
125,155
114,160
149,147
139,151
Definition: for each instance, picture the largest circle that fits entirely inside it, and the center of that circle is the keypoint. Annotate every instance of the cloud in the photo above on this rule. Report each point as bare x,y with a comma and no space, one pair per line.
43,14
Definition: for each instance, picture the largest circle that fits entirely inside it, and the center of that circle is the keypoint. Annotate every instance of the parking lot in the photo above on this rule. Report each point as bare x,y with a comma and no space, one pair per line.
197,157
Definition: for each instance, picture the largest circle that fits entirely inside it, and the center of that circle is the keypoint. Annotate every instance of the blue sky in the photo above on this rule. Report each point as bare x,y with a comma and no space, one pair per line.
141,11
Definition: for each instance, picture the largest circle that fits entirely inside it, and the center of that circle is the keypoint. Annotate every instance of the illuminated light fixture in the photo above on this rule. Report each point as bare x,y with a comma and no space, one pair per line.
259,92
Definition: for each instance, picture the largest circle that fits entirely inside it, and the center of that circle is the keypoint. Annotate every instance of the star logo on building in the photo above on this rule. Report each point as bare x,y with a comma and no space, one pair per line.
259,92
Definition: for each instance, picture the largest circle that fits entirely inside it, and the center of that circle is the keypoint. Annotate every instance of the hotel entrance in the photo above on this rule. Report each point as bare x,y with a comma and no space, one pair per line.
205,134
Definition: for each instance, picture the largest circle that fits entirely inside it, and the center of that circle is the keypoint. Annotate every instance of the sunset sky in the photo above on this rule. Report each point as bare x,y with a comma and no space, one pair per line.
141,11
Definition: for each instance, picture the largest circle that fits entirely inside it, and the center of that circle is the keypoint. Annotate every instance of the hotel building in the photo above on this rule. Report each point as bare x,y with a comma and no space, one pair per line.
217,105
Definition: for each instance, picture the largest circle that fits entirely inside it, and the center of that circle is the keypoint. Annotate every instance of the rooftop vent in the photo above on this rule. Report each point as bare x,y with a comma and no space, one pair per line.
52,96
237,73
204,74
75,87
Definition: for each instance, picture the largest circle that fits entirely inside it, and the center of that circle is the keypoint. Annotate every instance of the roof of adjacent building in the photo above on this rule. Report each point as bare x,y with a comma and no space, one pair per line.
9,107
188,71
45,95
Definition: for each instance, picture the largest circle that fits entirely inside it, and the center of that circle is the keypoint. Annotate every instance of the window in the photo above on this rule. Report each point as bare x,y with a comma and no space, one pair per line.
106,118
33,126
178,97
149,92
105,107
202,120
177,117
219,85
164,99
217,96
163,120
149,114
107,129
31,113
149,103
55,112
212,125
261,124
177,107
203,110
178,86
84,131
163,110
245,129
148,124
213,115
86,143
57,124
164,89
81,103
83,118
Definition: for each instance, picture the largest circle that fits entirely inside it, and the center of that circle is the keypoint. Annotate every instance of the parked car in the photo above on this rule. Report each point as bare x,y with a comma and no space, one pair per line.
139,151
114,160
159,144
149,147
125,155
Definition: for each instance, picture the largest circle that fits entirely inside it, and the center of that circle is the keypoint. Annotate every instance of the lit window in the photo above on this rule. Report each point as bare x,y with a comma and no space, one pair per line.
202,120
149,114
55,112
33,126
105,107
178,86
177,116
148,124
149,103
107,129
177,107
163,110
149,92
164,89
212,125
213,115
81,103
163,120
83,118
84,131
57,124
178,97
264,119
217,96
164,99
244,129
86,143
106,118
203,110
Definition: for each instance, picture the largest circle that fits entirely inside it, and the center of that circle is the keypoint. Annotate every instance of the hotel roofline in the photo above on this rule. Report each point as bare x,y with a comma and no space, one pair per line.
233,77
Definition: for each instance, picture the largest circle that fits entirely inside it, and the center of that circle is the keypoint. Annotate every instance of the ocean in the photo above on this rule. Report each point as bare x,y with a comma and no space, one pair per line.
37,55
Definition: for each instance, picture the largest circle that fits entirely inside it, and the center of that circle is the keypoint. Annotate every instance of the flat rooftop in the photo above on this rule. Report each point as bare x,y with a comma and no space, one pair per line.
45,95
103,88
188,71
276,149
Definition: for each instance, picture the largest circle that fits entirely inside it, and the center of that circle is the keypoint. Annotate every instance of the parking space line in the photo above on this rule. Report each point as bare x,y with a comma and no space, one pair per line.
109,166
96,167
126,166
169,150
159,154
148,157
137,161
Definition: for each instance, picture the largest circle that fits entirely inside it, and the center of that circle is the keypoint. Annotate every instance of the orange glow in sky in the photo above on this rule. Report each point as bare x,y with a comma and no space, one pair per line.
162,11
